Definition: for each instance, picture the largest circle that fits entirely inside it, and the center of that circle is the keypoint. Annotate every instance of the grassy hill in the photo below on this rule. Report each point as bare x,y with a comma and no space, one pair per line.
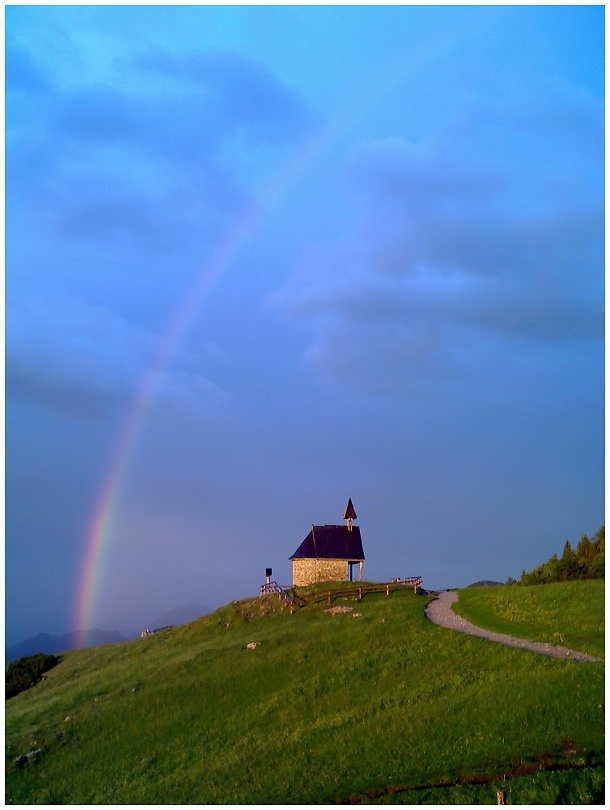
381,707
570,614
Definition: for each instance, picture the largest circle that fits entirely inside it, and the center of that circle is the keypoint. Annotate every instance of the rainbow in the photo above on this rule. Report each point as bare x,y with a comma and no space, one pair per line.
98,533
91,570
99,530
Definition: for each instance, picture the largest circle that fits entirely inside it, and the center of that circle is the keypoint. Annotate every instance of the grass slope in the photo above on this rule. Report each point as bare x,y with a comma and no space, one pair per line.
570,614
325,708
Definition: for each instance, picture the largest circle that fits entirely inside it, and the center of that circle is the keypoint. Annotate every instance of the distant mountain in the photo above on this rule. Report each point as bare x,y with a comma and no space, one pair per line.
181,615
48,644
485,583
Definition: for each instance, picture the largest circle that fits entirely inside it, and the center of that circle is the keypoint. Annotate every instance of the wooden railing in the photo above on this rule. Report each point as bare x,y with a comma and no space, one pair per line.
363,590
292,600
299,601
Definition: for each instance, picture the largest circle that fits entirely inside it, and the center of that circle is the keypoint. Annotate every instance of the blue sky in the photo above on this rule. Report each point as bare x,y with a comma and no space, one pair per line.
347,251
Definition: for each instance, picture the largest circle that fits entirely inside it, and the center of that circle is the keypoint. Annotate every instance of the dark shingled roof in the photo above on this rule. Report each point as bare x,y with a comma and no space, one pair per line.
331,543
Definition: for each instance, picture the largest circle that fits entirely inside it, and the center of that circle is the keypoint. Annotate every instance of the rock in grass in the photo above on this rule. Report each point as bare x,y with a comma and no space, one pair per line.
21,760
252,645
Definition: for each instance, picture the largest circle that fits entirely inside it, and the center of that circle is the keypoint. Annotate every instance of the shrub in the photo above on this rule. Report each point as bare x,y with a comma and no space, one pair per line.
26,672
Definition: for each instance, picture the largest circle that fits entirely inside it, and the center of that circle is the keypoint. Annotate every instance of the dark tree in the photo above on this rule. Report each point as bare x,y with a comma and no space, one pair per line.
587,562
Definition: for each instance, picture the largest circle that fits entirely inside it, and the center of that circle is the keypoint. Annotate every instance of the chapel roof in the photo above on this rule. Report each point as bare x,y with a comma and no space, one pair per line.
331,543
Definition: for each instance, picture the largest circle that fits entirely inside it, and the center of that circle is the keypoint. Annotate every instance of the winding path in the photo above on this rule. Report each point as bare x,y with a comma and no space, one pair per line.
439,611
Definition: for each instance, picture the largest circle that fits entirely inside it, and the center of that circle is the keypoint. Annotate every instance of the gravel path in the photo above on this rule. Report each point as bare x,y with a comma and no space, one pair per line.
439,611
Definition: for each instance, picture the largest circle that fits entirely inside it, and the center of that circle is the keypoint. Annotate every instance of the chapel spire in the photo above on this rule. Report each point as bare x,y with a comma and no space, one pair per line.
350,514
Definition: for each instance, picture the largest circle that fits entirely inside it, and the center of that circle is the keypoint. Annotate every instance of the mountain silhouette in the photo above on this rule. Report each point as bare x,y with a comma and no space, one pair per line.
49,644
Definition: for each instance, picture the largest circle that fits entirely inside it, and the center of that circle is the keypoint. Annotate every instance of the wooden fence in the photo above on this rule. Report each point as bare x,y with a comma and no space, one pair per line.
292,599
363,590
299,601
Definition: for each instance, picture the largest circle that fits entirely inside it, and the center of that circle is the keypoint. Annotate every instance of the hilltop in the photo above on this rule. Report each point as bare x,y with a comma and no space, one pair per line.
485,583
251,704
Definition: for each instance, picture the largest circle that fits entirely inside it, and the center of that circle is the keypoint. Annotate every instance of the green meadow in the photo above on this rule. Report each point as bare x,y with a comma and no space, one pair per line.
383,707
570,614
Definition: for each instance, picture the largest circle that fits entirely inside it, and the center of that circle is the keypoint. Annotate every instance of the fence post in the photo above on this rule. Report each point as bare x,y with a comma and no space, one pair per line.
360,593
387,589
329,597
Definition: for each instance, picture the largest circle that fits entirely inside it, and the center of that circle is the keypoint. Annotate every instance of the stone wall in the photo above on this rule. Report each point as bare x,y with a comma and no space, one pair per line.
305,572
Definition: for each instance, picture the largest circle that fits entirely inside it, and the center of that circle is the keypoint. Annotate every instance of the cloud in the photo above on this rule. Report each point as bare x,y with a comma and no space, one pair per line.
23,74
452,249
190,391
161,161
84,361
238,95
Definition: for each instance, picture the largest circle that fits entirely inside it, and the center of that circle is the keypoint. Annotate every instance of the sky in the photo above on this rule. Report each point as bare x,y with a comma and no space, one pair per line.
260,260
